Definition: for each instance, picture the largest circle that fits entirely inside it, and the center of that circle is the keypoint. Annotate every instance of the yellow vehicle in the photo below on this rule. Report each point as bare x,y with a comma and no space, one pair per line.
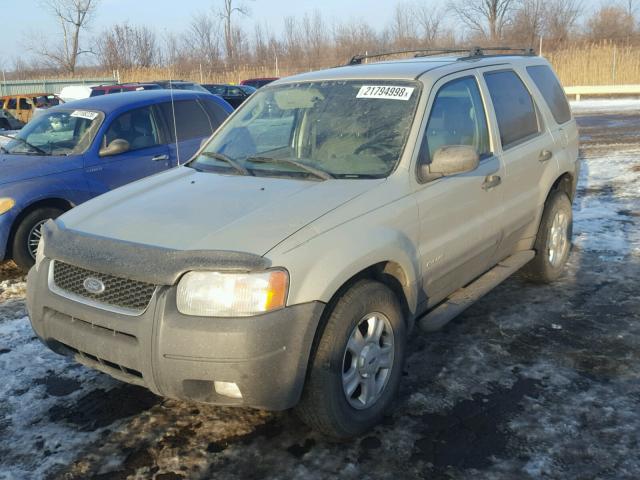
22,107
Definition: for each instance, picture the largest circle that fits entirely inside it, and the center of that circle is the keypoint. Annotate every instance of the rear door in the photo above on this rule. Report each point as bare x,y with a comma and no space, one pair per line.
195,120
459,214
526,149
147,154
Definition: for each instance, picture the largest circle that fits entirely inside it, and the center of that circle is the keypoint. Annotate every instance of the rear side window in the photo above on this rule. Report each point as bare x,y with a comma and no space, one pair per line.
458,118
216,113
12,104
552,92
24,104
514,107
95,92
192,120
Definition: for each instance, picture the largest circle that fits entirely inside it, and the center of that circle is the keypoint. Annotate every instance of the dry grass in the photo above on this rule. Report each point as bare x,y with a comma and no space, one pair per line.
579,64
595,64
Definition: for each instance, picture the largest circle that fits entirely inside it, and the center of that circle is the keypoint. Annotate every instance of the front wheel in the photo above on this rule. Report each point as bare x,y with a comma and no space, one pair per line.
357,366
28,234
553,242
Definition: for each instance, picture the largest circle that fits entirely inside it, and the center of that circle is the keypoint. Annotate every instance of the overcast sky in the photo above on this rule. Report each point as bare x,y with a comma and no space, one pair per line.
23,19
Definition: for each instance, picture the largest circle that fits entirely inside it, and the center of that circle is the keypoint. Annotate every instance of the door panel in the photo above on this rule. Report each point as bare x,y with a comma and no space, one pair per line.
459,214
147,154
528,154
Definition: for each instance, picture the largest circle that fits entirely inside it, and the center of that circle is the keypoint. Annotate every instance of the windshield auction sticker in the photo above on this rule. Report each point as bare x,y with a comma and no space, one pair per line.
85,114
388,92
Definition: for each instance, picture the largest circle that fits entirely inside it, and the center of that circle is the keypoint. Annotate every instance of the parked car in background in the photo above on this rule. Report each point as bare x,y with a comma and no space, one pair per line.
21,106
234,94
180,85
75,92
9,122
73,152
141,86
258,82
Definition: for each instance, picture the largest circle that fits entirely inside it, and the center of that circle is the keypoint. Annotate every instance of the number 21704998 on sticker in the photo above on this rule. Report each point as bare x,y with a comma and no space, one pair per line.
389,92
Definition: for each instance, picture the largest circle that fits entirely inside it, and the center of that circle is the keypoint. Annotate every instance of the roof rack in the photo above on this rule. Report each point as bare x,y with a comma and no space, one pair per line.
472,52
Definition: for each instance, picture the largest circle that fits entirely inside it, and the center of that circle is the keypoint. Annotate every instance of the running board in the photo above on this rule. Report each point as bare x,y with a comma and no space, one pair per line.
463,298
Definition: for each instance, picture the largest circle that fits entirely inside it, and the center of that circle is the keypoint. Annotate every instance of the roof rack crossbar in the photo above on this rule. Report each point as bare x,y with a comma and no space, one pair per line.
357,59
472,52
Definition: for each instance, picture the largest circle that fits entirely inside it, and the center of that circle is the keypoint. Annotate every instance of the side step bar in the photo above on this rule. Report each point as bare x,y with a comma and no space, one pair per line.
463,298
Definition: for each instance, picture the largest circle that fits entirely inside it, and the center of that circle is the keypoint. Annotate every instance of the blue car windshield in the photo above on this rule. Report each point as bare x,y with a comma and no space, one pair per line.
56,132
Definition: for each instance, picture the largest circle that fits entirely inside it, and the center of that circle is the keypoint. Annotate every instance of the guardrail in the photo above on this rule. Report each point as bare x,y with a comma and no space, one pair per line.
600,90
17,87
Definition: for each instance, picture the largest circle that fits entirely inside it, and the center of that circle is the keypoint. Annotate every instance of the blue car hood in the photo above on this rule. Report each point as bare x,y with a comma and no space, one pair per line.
16,168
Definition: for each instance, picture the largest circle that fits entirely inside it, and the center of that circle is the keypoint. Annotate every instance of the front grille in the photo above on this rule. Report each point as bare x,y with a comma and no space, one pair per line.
118,292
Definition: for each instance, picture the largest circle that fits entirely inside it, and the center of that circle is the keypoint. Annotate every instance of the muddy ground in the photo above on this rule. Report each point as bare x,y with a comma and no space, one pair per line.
531,382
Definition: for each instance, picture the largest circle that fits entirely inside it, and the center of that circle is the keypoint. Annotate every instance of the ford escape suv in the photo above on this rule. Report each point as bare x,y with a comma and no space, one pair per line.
287,263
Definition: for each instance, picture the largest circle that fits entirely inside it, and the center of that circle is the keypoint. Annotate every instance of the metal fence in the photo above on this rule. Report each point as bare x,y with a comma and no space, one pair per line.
16,87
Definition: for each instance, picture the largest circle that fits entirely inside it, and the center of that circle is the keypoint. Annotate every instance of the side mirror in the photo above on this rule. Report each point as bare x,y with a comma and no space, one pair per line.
450,160
116,147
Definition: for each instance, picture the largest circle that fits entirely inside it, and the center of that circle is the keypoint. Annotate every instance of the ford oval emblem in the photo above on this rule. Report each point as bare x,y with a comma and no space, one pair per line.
93,285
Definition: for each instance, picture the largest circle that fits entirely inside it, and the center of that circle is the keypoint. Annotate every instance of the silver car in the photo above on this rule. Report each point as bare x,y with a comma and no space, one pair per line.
288,262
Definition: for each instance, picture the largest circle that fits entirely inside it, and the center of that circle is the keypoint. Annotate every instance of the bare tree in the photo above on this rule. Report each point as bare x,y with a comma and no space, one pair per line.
429,19
203,39
487,17
126,46
610,22
561,17
403,30
72,17
229,8
528,23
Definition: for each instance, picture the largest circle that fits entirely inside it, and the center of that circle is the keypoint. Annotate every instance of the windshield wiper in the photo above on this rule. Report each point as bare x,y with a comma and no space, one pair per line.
290,161
222,157
37,149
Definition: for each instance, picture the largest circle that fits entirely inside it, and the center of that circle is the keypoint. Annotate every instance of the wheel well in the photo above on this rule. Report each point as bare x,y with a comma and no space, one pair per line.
389,273
564,183
60,203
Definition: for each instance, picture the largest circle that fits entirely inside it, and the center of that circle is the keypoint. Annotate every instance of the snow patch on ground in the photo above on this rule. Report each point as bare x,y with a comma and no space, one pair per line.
33,379
607,211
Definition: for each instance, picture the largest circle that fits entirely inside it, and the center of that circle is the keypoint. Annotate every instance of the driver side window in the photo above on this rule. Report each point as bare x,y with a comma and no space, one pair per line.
138,127
457,118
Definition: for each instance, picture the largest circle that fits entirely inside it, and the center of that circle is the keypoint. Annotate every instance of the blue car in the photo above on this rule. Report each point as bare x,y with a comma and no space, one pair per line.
76,151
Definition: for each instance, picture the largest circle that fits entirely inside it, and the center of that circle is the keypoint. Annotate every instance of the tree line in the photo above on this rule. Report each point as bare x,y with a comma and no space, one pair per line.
226,37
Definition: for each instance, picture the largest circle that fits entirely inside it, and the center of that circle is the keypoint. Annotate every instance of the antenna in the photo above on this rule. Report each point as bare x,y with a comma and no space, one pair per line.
173,113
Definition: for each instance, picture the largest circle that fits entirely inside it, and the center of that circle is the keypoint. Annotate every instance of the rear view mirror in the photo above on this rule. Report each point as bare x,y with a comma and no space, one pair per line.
116,147
450,160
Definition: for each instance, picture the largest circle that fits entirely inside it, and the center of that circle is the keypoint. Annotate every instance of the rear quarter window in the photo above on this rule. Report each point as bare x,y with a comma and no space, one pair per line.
191,120
514,107
551,91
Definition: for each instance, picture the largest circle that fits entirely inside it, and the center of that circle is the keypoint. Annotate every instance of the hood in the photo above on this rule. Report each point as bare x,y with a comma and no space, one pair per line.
15,168
188,210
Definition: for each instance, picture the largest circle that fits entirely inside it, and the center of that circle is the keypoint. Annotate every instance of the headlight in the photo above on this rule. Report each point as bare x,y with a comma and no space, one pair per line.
6,204
217,294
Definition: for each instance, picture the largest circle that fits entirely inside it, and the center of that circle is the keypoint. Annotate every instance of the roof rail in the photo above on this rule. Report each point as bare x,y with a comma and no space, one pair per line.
472,52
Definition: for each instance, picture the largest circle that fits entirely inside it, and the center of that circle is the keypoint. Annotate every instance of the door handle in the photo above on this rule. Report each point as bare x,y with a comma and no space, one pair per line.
545,155
491,181
159,158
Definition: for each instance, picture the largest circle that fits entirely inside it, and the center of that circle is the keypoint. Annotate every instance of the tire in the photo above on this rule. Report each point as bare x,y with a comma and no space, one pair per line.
325,405
21,253
545,267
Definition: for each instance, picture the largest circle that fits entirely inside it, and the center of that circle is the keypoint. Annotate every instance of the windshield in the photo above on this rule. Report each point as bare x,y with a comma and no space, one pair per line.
59,132
348,129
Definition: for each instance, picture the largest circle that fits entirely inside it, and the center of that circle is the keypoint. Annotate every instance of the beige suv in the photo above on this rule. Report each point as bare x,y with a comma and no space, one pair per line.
287,263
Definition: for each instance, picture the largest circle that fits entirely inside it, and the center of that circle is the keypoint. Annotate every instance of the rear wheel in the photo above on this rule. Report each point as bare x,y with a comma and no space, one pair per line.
28,234
553,242
356,369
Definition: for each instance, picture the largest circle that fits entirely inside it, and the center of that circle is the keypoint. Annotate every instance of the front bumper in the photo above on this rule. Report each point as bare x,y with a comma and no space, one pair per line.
6,220
181,356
